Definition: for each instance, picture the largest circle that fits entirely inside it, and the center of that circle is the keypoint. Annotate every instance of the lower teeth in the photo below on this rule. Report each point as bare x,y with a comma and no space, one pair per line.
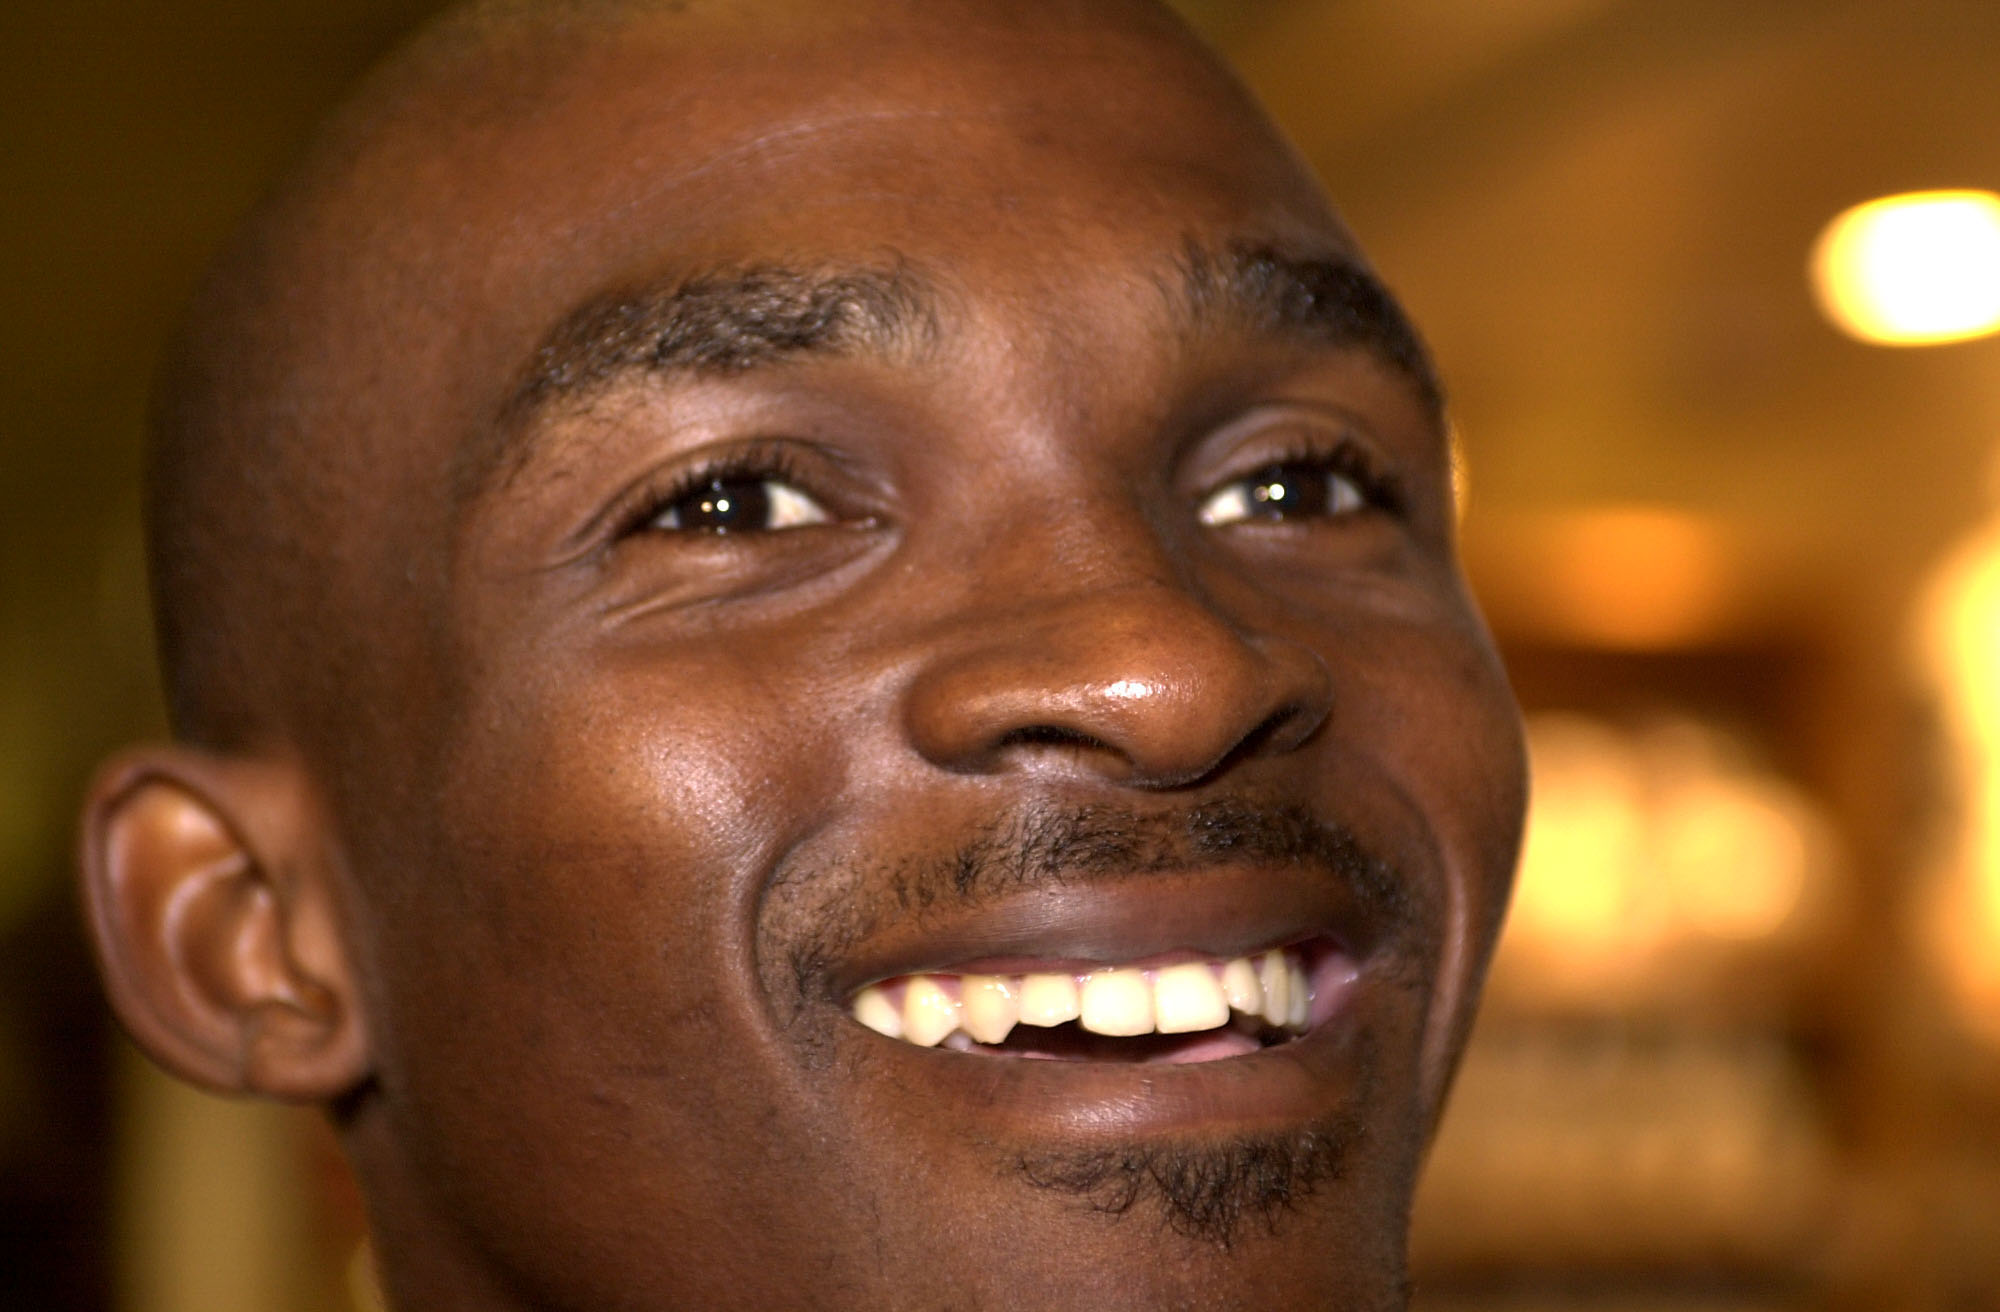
1071,1042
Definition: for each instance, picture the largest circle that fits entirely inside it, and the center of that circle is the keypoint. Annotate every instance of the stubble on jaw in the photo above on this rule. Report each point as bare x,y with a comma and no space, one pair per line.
1218,1192
1209,1193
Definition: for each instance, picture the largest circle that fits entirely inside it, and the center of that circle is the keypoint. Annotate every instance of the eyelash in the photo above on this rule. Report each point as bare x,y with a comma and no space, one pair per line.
1344,458
652,499
1348,459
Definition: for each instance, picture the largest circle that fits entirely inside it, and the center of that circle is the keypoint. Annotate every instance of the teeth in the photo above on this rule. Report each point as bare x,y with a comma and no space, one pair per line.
1277,982
1049,999
989,1007
1188,998
1240,986
873,1009
929,1013
1117,1002
966,1011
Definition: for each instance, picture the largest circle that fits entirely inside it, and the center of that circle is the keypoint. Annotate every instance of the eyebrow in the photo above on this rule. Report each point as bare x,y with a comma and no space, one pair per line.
1327,299
732,321
728,322
719,322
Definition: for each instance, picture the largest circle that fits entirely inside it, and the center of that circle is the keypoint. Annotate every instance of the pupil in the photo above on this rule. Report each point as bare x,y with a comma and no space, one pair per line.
1292,489
732,503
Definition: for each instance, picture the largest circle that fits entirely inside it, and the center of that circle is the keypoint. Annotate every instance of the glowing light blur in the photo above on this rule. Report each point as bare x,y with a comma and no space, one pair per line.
1919,269
1642,843
1960,635
1630,577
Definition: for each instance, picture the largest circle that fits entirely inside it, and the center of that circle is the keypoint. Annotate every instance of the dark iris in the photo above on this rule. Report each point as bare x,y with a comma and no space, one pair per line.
731,503
1280,491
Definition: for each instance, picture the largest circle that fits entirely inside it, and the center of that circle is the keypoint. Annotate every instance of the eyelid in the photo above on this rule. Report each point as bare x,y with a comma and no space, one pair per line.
798,466
1232,502
1254,435
788,505
1337,451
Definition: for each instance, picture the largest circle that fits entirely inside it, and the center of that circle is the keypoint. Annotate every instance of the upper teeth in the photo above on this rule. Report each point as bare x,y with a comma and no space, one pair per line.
1117,1000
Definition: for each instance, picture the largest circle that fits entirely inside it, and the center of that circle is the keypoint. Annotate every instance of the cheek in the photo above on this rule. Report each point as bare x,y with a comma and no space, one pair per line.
639,789
570,1014
1429,699
1433,701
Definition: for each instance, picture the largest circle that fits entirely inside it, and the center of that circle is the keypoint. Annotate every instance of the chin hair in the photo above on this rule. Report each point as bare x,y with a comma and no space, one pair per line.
1210,1191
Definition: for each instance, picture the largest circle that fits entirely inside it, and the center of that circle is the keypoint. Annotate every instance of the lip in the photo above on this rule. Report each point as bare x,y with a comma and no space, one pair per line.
1135,920
1322,1075
1214,914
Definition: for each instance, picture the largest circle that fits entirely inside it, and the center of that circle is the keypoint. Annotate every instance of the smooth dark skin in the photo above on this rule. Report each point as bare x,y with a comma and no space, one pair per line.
544,840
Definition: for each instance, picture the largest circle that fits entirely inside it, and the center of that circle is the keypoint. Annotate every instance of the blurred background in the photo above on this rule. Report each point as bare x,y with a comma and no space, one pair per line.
1738,536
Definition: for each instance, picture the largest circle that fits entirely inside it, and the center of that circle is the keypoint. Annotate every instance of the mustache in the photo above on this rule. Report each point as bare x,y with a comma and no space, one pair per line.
1050,846
816,916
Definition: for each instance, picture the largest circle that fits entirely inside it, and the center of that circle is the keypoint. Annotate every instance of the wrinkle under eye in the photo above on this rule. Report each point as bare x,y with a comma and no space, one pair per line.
1298,489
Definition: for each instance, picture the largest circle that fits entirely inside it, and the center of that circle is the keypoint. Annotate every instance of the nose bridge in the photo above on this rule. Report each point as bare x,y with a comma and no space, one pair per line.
1093,650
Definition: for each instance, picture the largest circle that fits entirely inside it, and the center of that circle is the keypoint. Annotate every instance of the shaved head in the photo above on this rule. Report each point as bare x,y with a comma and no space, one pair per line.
272,410
818,662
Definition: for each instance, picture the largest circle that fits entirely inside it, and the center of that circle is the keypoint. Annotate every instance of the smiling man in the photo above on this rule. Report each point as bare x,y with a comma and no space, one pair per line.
817,662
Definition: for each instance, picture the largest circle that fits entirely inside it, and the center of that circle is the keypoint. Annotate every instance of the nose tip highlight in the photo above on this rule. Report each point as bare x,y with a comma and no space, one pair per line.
1146,689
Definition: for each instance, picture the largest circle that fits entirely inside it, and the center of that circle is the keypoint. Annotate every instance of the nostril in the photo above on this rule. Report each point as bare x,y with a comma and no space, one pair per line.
1146,690
1051,735
1283,730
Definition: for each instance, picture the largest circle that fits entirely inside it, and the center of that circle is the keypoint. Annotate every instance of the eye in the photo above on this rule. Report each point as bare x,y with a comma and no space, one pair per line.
1291,489
739,503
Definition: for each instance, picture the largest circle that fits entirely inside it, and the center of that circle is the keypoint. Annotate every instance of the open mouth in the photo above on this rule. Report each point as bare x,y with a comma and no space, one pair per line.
1178,1009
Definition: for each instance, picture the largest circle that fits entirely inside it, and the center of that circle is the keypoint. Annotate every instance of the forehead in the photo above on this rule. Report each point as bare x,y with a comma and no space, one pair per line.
985,147
986,97
1017,154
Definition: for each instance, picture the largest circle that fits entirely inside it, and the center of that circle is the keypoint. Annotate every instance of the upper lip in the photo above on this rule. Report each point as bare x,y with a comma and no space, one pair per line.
1220,913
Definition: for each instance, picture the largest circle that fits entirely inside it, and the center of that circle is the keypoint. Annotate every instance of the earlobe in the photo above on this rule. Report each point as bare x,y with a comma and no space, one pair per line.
208,899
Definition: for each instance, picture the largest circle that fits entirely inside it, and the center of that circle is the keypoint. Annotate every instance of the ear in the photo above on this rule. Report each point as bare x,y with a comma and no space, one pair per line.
208,892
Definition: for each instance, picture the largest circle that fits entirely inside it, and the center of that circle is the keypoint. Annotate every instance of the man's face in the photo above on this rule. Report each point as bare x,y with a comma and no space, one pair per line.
917,515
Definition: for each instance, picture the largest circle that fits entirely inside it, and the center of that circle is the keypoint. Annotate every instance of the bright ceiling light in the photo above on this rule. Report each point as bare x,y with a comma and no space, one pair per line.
1918,269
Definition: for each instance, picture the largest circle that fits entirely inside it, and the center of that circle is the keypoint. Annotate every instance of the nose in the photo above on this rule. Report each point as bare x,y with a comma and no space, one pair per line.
1142,684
